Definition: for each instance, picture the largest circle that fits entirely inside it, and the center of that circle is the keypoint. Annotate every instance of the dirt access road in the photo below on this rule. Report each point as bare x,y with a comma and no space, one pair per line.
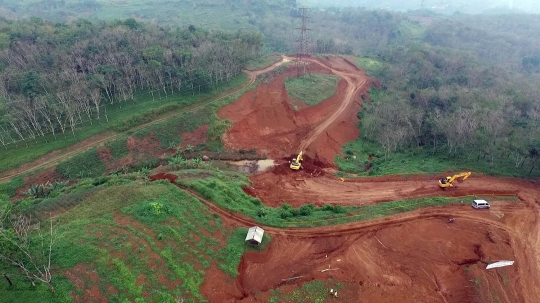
53,158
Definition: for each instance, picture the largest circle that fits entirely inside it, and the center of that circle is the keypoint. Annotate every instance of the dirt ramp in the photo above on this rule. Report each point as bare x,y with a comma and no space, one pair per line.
266,120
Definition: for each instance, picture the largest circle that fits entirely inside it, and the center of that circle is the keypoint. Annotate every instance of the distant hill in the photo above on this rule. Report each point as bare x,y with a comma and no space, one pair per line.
222,14
441,6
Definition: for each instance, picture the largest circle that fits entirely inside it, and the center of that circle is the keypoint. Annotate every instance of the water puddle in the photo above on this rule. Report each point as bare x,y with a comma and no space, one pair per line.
253,166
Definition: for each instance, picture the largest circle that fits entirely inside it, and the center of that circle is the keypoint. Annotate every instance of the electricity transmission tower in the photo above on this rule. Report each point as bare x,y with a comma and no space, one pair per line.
303,43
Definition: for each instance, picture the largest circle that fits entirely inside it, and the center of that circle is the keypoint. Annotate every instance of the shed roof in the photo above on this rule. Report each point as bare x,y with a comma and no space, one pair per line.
255,233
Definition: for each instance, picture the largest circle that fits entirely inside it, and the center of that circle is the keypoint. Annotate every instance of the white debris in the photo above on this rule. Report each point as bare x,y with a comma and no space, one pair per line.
500,264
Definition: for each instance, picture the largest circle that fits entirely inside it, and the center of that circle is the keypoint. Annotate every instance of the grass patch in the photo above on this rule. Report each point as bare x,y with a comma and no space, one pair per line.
118,147
23,292
315,291
418,161
128,256
312,89
86,164
10,188
109,199
372,66
263,62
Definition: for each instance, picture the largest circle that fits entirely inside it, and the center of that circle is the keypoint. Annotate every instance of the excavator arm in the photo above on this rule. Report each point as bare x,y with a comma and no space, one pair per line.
464,175
448,181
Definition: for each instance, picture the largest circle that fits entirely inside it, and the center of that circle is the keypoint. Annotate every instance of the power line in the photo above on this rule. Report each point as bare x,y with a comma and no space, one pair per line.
303,44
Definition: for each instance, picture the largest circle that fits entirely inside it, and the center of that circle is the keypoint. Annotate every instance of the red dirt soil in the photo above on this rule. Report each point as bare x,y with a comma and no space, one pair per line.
49,175
162,176
87,281
264,118
197,137
410,257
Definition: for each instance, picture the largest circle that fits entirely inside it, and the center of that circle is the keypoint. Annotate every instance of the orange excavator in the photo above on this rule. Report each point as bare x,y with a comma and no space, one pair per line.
447,182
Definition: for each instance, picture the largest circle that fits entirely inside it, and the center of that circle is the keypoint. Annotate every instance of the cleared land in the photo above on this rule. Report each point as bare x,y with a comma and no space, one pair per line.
394,249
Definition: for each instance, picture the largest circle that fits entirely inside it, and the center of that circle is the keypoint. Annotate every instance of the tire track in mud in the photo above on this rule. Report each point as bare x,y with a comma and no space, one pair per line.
47,162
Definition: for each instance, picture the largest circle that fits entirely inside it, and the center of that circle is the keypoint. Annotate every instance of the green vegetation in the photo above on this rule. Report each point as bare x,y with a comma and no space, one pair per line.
373,67
263,62
149,242
312,89
217,14
143,110
367,159
377,152
22,291
236,246
86,164
412,30
168,132
10,188
311,292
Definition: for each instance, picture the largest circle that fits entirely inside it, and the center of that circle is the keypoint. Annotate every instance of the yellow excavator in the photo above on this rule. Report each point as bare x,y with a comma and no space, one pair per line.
448,181
296,162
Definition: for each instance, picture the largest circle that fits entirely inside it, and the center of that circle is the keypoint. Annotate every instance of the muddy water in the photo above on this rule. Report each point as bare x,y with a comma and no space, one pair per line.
253,166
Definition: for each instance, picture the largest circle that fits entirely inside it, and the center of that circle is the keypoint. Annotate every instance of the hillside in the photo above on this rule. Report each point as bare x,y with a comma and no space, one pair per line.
138,153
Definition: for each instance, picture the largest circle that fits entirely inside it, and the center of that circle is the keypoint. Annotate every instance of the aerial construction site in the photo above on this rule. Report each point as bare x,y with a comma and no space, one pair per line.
423,254
417,256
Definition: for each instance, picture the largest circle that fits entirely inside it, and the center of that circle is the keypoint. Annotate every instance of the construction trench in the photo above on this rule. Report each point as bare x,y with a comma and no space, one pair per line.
409,257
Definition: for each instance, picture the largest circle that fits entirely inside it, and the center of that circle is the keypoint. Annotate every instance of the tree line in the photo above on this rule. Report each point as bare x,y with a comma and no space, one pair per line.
442,100
54,76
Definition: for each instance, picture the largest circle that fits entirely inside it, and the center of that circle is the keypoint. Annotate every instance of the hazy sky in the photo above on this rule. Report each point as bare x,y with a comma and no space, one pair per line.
448,6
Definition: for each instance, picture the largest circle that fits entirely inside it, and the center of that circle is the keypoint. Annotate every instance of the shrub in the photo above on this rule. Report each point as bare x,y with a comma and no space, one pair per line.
306,210
285,214
338,209
10,188
286,206
86,164
262,212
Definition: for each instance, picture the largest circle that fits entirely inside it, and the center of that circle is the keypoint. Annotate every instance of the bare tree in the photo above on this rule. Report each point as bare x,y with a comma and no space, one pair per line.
28,247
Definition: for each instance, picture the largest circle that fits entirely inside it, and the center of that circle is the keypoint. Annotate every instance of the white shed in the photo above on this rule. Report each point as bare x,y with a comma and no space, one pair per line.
255,236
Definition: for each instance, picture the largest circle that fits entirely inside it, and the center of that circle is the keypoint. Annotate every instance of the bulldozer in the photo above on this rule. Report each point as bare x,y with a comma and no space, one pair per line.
296,162
447,182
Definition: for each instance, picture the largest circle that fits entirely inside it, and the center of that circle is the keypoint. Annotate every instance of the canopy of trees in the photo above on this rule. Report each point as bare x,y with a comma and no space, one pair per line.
53,76
434,97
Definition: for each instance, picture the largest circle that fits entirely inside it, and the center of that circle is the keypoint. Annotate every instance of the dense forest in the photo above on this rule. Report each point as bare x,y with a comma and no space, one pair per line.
462,87
55,76
445,7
